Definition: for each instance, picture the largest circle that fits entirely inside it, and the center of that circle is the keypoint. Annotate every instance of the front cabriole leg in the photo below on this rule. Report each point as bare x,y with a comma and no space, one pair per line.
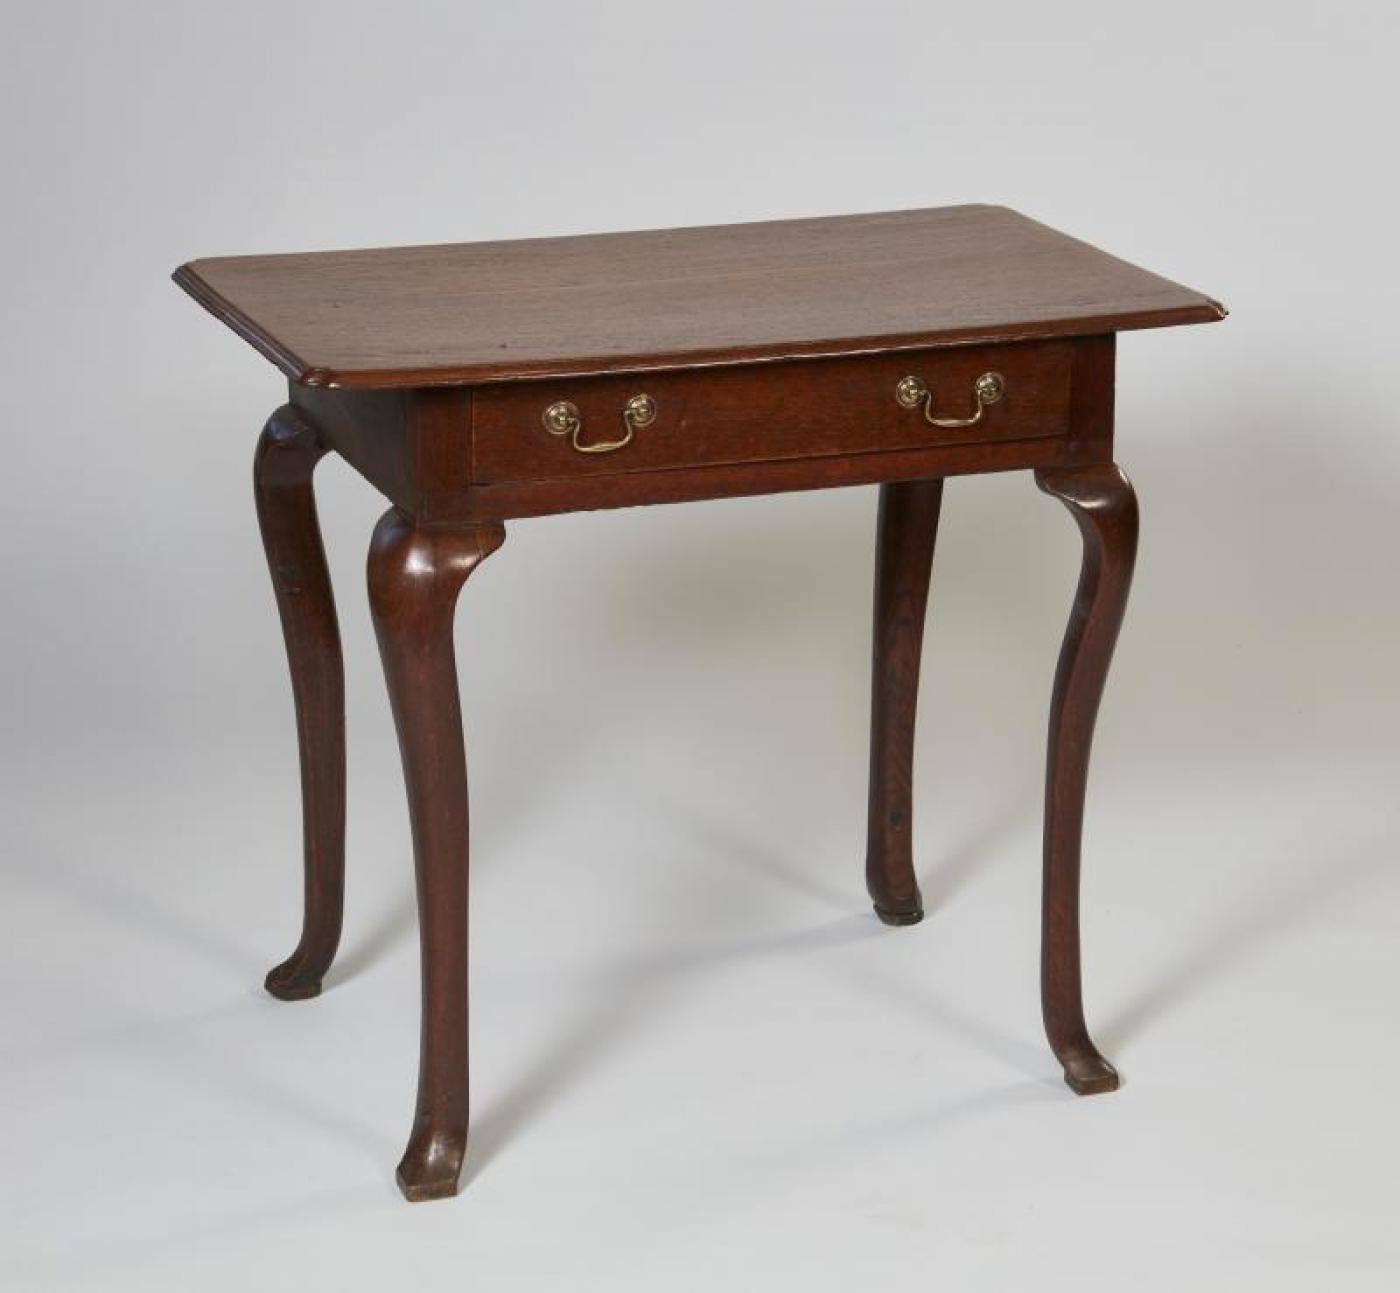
287,454
1104,506
414,577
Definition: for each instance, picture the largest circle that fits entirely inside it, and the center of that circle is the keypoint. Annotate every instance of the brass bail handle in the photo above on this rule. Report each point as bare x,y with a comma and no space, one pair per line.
986,390
563,418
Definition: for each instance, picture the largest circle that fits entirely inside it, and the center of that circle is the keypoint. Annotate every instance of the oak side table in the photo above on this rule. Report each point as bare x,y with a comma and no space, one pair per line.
482,383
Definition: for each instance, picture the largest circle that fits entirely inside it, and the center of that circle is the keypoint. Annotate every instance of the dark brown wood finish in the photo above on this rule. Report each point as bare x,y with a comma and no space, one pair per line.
906,528
416,446
372,430
805,410
679,298
771,352
414,578
1104,506
287,454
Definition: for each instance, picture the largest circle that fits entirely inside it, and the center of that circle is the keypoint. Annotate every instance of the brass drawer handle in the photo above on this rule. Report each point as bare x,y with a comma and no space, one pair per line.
563,418
987,389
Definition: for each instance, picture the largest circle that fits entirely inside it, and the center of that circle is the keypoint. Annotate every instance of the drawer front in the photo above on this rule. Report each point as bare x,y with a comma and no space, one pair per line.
769,412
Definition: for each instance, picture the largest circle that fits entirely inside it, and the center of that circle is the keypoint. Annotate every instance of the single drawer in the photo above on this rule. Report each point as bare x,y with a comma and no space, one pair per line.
764,412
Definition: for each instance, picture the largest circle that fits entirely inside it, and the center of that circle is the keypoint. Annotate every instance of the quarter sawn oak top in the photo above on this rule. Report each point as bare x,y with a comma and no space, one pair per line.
678,298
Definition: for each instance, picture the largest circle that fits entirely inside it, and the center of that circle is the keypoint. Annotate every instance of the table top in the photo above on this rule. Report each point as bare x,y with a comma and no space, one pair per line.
678,298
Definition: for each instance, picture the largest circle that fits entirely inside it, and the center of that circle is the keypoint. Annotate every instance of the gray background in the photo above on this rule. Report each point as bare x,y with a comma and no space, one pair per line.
699,1062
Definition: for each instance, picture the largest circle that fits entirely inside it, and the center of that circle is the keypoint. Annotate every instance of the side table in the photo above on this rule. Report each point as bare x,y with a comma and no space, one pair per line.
481,383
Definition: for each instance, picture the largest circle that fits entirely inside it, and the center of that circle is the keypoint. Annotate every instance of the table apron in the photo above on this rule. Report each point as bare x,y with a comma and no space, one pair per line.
423,448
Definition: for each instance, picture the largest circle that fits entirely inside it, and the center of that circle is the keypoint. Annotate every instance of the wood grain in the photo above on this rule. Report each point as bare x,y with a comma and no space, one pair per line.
905,532
477,312
414,579
286,457
767,412
1104,506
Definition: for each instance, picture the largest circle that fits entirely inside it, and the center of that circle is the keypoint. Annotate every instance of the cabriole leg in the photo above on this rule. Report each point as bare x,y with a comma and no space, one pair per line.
907,527
1104,506
287,454
414,578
